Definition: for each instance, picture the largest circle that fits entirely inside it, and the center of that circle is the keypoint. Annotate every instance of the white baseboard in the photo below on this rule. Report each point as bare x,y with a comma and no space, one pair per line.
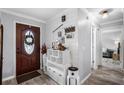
8,78
82,81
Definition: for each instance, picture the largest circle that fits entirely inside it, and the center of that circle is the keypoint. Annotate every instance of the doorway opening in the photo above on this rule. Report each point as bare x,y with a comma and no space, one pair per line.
107,42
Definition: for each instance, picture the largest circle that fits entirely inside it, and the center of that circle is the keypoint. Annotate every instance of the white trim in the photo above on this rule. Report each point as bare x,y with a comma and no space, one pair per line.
110,22
14,40
111,30
8,78
22,15
26,23
82,81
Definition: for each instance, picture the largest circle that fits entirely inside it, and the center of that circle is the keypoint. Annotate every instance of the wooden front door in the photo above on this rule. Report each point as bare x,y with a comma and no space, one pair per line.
27,48
1,52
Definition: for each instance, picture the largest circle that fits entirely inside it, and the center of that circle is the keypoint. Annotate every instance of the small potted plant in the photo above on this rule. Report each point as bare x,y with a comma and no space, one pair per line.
44,49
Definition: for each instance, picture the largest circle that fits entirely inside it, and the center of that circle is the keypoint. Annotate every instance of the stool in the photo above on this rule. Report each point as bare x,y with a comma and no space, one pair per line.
72,77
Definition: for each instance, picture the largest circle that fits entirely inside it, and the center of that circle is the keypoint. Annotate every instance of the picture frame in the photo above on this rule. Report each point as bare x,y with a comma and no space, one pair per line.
59,34
69,35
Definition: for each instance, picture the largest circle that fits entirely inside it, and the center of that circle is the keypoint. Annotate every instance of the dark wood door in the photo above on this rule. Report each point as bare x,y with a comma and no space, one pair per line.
1,52
27,48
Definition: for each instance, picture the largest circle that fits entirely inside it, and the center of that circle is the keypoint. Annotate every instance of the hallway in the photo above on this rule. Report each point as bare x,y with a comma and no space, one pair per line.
105,76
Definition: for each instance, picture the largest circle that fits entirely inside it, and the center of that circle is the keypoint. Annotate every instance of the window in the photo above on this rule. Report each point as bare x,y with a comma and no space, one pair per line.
29,42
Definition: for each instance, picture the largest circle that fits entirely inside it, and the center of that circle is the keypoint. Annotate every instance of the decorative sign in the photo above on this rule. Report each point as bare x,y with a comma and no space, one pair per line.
70,29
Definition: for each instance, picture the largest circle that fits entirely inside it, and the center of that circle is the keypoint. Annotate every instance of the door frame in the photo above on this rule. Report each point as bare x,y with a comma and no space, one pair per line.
14,40
1,59
93,47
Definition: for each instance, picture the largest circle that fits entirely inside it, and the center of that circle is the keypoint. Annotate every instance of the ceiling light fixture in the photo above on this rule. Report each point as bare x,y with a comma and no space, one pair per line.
104,14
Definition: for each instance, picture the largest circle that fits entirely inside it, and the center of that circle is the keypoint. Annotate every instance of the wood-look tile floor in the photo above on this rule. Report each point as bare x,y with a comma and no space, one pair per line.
40,80
102,76
105,76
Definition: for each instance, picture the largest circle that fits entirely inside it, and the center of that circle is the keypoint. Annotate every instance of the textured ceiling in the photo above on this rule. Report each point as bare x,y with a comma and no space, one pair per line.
39,13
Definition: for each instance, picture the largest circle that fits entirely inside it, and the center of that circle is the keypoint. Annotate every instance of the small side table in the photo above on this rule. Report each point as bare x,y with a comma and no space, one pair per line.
73,77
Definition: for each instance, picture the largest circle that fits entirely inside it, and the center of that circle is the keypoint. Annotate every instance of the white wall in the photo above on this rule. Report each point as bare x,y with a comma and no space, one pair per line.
84,43
54,22
9,43
80,45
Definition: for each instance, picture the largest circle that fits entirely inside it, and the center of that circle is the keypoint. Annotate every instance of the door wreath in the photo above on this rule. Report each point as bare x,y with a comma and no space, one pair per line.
29,40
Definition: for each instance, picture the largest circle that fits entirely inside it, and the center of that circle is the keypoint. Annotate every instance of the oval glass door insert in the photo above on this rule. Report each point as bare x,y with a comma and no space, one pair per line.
29,42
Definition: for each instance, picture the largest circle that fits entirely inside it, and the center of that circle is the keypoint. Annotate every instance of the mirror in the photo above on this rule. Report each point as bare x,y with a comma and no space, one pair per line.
111,45
111,29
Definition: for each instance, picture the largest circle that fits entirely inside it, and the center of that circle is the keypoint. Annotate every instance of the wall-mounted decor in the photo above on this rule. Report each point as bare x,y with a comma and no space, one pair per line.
57,28
29,42
44,49
63,18
63,40
70,29
69,35
59,34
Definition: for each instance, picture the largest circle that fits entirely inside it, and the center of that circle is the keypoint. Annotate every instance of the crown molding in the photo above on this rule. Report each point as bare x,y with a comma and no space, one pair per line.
22,15
111,22
111,30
